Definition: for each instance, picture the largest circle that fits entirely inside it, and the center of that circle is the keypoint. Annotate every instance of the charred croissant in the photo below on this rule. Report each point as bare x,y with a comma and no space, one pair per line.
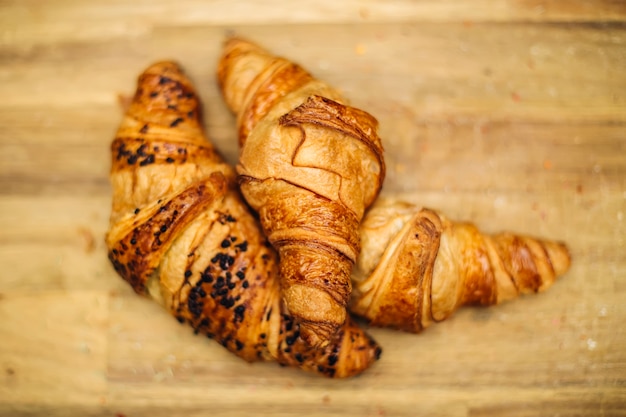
180,233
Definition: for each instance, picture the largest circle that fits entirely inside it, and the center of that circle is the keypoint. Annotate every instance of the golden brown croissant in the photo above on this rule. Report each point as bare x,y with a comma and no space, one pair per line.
416,267
181,234
310,165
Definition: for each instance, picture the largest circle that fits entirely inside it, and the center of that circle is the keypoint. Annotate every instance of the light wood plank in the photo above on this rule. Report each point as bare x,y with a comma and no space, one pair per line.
55,348
439,71
31,22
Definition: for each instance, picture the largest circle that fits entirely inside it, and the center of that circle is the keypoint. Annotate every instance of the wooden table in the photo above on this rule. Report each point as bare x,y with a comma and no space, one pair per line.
511,114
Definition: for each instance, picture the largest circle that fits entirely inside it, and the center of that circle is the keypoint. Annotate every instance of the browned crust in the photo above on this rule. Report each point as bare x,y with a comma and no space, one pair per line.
286,78
479,285
401,306
349,346
477,269
519,262
137,255
354,122
129,152
165,98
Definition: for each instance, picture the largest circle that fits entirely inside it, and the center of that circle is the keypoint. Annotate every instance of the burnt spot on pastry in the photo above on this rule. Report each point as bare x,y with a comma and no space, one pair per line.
195,302
225,218
207,276
239,313
227,302
217,291
332,359
243,246
130,152
291,339
224,260
214,298
164,101
149,159
151,238
328,361
176,122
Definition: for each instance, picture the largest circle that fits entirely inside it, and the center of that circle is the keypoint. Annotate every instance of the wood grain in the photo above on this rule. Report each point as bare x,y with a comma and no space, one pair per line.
510,114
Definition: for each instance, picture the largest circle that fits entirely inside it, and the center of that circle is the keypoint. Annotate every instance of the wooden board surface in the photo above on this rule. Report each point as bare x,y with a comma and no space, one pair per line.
511,114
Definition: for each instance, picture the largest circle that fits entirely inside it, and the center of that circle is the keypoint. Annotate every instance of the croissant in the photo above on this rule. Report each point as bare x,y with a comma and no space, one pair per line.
310,165
181,234
417,267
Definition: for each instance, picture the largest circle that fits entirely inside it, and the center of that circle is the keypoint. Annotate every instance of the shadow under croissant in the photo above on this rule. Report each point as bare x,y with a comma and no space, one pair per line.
181,234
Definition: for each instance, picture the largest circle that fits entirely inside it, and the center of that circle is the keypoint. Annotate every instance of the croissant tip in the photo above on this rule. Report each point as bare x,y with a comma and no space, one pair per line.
233,38
374,353
243,45
563,259
166,68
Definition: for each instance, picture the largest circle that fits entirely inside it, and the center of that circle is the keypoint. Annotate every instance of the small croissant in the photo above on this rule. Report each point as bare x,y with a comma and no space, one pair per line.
181,234
310,165
416,267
